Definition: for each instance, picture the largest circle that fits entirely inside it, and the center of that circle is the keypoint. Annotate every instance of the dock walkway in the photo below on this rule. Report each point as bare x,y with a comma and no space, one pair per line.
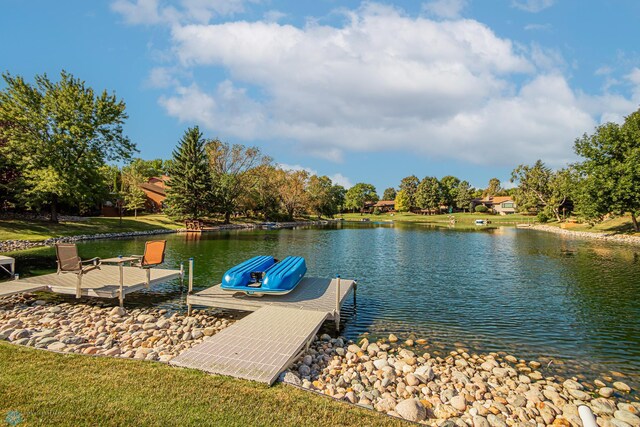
263,344
102,283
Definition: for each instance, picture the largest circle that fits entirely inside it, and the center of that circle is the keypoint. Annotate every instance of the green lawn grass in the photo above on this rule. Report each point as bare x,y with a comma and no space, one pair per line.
617,225
461,218
54,389
42,230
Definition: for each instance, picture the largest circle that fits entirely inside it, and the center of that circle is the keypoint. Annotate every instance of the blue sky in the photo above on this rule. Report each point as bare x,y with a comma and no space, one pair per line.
358,91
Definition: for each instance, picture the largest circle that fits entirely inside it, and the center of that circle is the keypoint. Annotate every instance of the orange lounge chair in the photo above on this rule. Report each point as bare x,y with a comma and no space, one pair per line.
153,257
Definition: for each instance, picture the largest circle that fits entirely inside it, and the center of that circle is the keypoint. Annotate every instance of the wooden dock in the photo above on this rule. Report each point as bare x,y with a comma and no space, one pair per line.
102,283
262,345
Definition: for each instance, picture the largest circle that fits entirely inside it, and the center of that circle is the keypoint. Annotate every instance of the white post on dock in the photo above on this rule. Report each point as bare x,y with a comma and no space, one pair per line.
181,276
190,285
337,315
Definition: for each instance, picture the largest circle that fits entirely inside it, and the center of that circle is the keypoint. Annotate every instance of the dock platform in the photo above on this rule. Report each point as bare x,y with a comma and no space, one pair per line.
312,293
102,283
263,344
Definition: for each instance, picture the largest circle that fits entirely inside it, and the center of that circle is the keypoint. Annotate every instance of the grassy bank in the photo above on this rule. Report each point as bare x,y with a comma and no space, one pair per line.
42,230
616,225
53,389
461,218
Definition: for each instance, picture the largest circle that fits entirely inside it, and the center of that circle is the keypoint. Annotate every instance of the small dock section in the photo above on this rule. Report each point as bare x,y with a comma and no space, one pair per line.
258,347
16,287
263,344
102,283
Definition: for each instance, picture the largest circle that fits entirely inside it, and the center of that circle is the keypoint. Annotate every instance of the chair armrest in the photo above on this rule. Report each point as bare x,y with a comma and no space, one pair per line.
136,256
95,260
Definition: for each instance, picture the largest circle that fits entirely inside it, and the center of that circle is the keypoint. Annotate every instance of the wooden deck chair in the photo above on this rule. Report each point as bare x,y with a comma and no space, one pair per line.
69,262
152,257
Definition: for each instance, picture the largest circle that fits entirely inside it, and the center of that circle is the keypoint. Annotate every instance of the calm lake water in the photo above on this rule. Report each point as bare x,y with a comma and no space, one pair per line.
533,294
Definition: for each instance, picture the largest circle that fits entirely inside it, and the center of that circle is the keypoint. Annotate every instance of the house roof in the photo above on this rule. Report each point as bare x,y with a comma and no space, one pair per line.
153,188
501,199
383,203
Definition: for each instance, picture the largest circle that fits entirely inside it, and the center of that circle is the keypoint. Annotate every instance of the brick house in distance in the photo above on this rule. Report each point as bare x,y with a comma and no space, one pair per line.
503,205
155,190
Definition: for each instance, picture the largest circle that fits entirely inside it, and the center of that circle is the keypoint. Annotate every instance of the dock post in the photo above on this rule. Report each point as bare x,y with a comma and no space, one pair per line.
355,290
337,315
181,276
190,285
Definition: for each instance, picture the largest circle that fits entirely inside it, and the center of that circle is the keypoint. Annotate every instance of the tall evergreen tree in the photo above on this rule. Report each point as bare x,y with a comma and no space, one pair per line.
190,184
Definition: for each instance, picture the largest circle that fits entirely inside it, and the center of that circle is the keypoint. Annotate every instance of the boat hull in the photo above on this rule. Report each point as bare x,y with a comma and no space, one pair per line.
239,276
277,279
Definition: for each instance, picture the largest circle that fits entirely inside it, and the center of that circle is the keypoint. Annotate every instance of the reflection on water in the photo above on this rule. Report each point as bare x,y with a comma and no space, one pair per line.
530,293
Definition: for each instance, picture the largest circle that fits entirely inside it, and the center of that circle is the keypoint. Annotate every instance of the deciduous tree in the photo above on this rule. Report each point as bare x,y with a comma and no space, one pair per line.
402,201
611,169
358,195
233,170
464,196
389,194
410,187
429,194
59,135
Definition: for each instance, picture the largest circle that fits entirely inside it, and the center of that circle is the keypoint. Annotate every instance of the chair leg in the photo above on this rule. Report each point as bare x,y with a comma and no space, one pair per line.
148,278
79,287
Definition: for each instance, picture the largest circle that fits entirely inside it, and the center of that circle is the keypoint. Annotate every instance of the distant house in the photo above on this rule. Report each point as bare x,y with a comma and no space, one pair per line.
385,205
503,205
155,190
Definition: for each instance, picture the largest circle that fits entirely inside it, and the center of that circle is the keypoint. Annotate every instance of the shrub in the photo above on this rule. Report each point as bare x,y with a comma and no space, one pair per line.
376,211
481,209
542,217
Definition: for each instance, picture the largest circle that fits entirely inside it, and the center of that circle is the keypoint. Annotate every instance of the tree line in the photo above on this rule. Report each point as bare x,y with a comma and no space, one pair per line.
60,142
211,177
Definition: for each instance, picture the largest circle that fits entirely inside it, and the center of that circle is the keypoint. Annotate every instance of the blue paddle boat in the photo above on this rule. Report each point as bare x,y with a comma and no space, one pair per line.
265,275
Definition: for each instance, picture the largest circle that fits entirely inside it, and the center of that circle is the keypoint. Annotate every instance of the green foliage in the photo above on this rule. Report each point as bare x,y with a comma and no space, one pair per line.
324,197
464,195
611,170
233,171
481,209
410,187
541,189
292,191
543,217
59,135
389,194
190,191
377,211
402,201
449,190
133,197
429,193
493,189
359,194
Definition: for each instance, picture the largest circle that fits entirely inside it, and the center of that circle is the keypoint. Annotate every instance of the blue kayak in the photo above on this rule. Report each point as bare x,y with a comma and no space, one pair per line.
264,275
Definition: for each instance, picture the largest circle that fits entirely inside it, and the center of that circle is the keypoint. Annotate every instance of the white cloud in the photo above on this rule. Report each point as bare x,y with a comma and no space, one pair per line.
274,15
442,89
340,179
185,11
533,6
161,77
447,9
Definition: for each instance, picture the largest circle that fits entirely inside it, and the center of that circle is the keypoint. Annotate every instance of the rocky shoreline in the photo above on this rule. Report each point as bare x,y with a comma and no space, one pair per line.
19,245
86,328
617,238
460,389
400,379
